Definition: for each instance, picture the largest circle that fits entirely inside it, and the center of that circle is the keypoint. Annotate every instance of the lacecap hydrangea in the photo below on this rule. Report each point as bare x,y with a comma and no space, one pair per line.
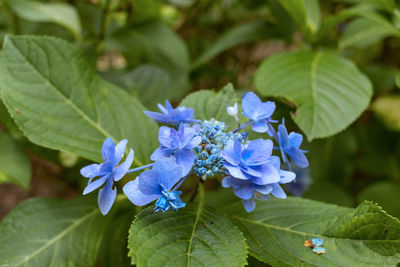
206,149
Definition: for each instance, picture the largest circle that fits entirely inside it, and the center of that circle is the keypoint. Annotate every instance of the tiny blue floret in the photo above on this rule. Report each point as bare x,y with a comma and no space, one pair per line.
179,144
290,145
258,112
108,171
172,116
157,183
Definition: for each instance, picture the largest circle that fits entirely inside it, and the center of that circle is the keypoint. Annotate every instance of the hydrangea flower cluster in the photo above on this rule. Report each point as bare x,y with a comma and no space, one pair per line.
214,138
206,149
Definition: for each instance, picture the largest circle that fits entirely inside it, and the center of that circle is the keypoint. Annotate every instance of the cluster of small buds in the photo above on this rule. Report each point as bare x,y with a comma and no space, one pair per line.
214,139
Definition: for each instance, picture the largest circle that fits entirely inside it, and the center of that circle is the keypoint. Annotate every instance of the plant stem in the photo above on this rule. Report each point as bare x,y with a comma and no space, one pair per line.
242,126
140,168
196,190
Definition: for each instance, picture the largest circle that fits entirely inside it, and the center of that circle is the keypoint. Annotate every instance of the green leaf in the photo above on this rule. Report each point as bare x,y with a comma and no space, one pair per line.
388,5
60,103
387,108
60,13
329,91
305,14
208,104
196,235
398,79
248,32
14,163
328,192
363,32
383,193
156,44
50,232
276,230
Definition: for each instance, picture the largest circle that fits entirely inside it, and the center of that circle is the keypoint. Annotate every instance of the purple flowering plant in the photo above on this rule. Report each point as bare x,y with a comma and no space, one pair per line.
189,147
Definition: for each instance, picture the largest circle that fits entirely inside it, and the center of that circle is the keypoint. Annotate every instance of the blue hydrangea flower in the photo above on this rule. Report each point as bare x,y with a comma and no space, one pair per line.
157,183
108,171
172,116
290,145
258,112
178,143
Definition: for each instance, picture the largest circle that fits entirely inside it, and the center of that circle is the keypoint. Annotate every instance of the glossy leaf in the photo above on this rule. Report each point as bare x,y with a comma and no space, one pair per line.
60,13
208,104
60,103
195,235
276,230
49,232
15,166
328,91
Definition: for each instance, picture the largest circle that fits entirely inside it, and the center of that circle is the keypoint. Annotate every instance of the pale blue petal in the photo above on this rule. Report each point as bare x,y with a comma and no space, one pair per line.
185,159
168,171
131,190
161,153
283,136
298,157
226,182
295,139
249,204
286,177
121,170
257,152
164,134
107,197
194,142
235,171
119,151
168,105
90,171
260,126
149,182
251,104
156,116
95,184
277,191
162,108
108,150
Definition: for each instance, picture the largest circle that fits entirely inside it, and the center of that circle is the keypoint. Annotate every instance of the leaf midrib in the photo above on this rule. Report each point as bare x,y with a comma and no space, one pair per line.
56,238
270,226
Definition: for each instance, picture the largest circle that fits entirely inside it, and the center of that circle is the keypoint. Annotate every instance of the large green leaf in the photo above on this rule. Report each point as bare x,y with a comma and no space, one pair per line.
60,103
49,232
387,108
329,91
14,163
60,13
383,193
196,235
388,5
248,32
305,13
363,32
208,104
276,230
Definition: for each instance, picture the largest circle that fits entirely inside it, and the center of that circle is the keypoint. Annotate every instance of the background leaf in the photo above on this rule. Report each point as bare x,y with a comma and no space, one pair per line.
49,232
208,104
195,235
14,163
276,230
47,84
387,108
329,91
60,13
398,79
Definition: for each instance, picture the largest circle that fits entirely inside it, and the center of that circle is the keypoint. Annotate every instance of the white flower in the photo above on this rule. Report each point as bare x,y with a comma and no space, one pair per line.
233,111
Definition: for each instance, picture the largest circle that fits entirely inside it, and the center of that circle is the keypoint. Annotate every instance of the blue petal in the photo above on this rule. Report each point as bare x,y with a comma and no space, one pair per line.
250,104
107,197
164,134
162,108
249,205
120,150
286,177
94,185
257,152
229,154
277,191
270,175
263,189
149,182
131,190
193,143
90,171
121,170
169,172
283,136
185,159
244,191
260,126
298,157
168,105
161,153
295,139
237,148
226,182
268,109
235,172
156,116
108,150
